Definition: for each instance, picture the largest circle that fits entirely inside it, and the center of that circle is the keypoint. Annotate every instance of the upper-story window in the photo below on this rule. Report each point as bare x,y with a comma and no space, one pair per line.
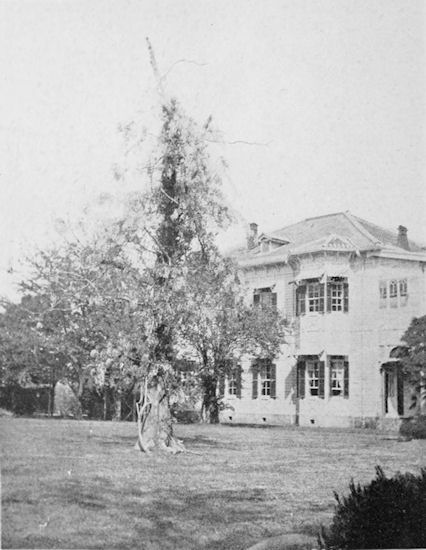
314,296
336,291
264,297
393,293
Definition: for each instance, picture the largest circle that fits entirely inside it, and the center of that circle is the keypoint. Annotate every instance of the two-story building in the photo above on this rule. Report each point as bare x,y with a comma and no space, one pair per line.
349,289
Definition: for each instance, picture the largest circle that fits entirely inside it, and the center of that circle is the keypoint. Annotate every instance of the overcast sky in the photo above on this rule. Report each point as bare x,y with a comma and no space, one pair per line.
321,104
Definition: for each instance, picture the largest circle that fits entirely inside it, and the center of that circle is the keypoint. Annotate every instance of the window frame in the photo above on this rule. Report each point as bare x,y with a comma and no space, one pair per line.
314,296
232,380
312,377
305,379
337,383
265,298
337,295
264,379
393,293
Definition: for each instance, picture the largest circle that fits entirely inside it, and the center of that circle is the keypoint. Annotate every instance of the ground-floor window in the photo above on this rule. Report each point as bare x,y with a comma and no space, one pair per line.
233,381
339,376
312,376
313,369
264,378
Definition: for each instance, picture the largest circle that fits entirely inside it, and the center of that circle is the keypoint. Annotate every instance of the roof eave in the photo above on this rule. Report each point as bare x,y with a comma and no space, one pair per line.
254,262
398,254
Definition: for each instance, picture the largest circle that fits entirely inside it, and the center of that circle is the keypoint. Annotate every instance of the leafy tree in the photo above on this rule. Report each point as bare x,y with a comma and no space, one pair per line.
189,210
221,327
414,362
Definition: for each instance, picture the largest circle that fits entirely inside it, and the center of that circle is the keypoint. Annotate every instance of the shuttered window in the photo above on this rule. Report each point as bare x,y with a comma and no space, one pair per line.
301,379
339,376
264,297
315,378
393,293
301,300
337,294
315,297
310,377
234,382
264,379
310,297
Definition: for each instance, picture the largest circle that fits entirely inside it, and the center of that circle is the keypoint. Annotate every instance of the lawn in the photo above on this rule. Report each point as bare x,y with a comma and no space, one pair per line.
70,484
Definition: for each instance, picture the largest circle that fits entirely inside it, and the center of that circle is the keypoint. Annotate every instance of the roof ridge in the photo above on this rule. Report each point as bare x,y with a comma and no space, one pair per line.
272,233
360,228
324,216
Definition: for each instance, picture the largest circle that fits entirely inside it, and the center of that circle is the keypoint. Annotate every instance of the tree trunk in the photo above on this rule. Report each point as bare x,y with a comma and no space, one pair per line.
117,408
105,405
210,406
155,425
422,404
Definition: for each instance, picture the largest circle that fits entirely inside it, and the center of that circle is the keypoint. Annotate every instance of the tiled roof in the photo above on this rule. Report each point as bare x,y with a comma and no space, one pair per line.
333,231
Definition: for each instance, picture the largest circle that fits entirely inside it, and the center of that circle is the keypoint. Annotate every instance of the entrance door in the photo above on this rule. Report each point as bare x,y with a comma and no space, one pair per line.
393,392
400,392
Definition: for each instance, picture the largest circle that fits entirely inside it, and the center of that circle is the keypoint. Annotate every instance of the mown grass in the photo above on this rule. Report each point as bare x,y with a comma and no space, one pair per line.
69,484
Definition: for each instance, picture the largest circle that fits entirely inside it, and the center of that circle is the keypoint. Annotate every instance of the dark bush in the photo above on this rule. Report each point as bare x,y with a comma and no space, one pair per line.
185,416
414,427
387,513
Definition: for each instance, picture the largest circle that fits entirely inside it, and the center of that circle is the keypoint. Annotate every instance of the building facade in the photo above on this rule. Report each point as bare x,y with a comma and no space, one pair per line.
348,289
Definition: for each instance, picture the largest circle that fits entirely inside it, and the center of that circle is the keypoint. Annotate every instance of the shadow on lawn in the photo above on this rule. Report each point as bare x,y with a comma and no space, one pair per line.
118,440
161,517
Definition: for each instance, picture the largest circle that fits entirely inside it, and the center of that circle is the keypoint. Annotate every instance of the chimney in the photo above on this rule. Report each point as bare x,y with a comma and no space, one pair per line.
252,236
402,238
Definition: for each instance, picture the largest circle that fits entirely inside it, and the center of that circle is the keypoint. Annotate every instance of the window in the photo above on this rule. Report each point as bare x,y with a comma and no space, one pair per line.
383,289
301,300
264,379
336,296
264,297
232,383
403,292
313,377
315,297
393,293
310,377
339,376
310,297
230,380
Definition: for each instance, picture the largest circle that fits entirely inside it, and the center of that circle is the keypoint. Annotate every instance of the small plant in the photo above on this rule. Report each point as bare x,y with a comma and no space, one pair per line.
386,513
414,427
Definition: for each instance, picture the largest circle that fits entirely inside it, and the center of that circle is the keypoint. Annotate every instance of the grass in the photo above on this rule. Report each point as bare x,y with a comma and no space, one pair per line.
70,484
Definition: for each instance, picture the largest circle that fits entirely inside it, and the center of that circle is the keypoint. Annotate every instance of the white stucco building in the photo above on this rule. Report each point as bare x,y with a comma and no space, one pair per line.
349,290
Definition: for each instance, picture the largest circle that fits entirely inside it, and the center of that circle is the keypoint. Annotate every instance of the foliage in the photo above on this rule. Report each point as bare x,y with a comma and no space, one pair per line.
28,360
414,427
114,306
221,326
386,513
414,361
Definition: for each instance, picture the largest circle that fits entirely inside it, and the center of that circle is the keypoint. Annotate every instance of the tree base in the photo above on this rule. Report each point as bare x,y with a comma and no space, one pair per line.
155,422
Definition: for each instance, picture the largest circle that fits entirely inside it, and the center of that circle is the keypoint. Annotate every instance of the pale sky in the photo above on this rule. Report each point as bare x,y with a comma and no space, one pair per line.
325,99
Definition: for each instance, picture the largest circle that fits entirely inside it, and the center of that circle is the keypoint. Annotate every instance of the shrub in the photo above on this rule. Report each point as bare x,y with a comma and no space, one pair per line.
386,513
414,427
